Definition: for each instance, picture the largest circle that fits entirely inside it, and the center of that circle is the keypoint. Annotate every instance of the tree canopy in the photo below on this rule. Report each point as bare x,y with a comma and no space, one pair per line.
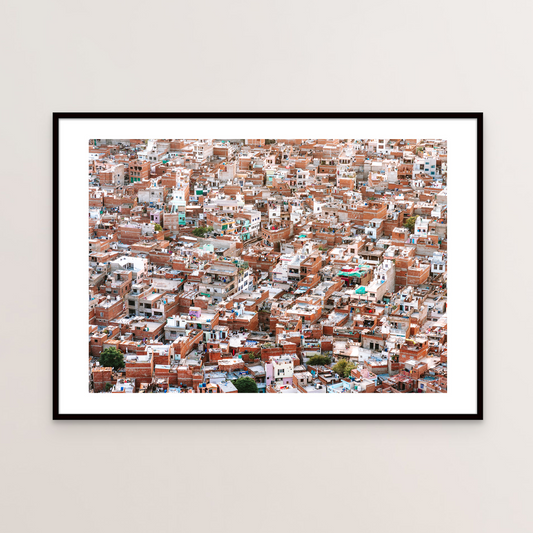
112,357
252,356
343,368
158,227
410,224
202,231
319,360
245,385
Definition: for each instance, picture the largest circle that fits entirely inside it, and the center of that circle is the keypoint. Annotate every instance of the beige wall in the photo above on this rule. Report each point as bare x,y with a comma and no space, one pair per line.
432,476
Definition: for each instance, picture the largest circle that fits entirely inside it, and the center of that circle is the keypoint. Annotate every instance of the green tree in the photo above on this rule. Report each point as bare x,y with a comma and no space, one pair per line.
343,368
158,227
245,385
112,357
199,232
108,387
410,224
202,231
317,360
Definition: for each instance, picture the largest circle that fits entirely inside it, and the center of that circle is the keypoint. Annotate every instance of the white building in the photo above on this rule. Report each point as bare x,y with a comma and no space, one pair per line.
137,265
152,153
422,227
153,194
282,367
425,165
203,150
438,263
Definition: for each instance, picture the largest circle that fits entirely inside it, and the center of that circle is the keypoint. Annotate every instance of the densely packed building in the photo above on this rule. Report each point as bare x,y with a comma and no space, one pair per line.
268,265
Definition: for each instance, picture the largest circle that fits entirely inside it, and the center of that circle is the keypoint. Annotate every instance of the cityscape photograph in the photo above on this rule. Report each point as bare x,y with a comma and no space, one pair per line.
280,266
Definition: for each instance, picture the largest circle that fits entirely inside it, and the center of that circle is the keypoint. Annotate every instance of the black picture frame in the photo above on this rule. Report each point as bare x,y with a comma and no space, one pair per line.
57,117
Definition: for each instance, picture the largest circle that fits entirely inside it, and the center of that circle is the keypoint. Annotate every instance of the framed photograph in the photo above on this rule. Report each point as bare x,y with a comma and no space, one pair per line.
340,255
